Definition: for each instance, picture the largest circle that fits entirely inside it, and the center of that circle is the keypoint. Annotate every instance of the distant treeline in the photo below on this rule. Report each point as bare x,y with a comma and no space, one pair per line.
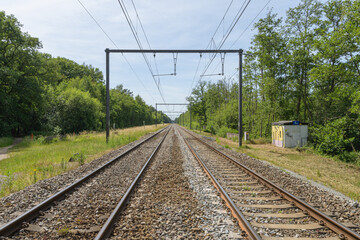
305,67
39,93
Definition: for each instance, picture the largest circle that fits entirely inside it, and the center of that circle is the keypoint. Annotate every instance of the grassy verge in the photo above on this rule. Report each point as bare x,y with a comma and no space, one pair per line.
6,141
34,160
340,176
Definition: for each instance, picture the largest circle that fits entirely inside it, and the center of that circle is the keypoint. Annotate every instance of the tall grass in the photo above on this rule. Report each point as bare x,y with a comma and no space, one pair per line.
6,141
37,159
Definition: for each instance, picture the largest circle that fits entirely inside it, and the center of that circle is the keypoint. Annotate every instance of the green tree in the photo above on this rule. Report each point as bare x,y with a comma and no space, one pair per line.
78,111
20,87
198,102
265,74
331,77
301,23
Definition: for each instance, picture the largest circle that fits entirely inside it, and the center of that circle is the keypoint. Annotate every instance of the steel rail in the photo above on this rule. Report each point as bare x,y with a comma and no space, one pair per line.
21,221
107,228
343,231
248,231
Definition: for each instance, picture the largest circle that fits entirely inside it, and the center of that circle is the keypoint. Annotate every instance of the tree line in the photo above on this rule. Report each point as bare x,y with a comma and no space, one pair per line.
40,93
303,67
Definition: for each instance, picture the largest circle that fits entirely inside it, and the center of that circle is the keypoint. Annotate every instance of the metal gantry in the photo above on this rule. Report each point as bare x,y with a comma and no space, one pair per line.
174,51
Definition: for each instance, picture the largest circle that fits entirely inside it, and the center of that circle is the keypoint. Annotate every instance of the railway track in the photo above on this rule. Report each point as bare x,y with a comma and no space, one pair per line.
164,193
164,205
262,209
85,204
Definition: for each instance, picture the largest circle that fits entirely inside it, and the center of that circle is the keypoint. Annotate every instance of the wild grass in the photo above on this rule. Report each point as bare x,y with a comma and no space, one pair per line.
260,141
34,160
6,141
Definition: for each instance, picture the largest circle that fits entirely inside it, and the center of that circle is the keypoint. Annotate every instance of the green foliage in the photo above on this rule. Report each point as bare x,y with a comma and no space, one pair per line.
78,111
9,181
63,231
19,69
78,157
223,130
338,137
198,102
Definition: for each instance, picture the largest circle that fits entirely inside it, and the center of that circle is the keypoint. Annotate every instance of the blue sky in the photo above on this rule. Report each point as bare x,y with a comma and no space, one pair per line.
66,30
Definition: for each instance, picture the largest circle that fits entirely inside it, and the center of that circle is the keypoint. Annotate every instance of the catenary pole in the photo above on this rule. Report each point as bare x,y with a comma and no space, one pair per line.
190,116
240,98
107,95
156,116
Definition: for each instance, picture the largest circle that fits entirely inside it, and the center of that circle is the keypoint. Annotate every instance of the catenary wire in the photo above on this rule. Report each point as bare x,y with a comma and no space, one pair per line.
128,19
146,38
97,23
231,27
244,32
250,23
209,45
148,43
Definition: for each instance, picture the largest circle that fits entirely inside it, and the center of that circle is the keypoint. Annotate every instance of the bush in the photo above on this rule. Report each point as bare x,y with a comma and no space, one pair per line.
339,137
352,157
46,140
78,111
223,130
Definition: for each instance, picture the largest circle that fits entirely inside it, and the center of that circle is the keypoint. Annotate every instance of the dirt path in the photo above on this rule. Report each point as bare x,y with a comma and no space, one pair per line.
4,150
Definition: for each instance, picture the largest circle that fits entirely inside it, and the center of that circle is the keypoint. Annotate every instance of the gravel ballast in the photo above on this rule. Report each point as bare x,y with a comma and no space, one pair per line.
339,208
175,201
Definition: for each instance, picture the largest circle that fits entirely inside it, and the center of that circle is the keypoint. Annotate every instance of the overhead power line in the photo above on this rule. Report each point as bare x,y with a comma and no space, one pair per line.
132,69
224,38
146,38
253,20
98,24
221,21
231,27
142,27
209,44
250,23
137,39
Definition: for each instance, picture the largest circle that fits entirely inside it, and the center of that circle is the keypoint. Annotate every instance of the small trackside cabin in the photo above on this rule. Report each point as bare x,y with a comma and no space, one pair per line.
289,134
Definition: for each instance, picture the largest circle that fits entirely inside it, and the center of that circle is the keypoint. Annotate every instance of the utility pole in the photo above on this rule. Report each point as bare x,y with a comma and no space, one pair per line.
156,116
240,98
190,116
107,94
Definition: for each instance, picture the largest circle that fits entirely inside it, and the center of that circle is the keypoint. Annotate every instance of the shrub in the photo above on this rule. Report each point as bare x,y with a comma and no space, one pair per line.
339,137
349,157
78,111
223,130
